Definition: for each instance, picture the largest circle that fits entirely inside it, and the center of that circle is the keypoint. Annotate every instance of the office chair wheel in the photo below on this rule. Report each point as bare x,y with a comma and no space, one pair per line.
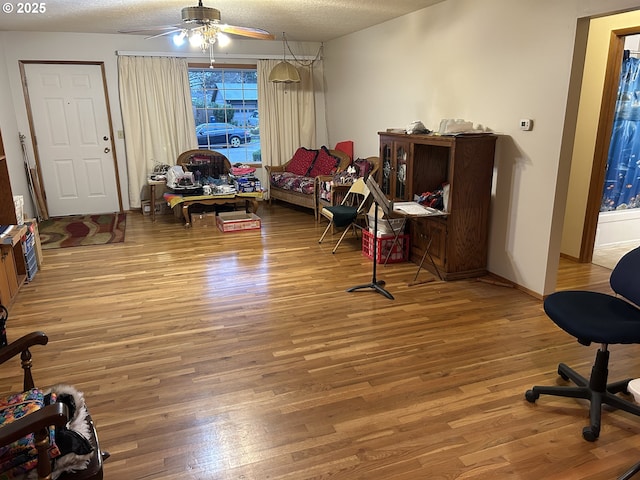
590,434
563,375
531,396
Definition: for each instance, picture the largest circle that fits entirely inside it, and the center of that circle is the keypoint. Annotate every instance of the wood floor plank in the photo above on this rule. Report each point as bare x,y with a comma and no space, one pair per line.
205,355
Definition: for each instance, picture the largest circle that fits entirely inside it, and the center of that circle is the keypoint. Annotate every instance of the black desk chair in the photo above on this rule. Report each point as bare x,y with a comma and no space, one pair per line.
631,472
604,319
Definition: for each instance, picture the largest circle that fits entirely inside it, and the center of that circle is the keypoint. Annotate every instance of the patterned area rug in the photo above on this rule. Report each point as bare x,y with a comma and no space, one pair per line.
79,230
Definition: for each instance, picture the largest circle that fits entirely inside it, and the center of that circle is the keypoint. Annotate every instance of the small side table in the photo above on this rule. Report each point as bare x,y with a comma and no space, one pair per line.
152,193
336,195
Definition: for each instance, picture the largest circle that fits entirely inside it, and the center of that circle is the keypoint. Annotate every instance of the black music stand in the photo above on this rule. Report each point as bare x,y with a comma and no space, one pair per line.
381,200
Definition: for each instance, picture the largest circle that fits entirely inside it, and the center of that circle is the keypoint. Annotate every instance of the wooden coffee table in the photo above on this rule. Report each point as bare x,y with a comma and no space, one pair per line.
250,201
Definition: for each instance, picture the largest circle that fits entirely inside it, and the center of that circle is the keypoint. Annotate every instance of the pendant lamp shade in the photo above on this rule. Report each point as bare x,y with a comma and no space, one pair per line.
284,72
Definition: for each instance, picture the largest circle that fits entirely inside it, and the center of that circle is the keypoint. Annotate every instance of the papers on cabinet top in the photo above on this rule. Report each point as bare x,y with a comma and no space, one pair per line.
414,208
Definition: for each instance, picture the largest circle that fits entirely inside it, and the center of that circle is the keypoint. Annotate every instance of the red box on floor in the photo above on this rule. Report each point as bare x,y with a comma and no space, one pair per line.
238,221
398,251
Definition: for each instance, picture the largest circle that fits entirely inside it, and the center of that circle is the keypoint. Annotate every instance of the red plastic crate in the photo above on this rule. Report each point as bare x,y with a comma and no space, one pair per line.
399,249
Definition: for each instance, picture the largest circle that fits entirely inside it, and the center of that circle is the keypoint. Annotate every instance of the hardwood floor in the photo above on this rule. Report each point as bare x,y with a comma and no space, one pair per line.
609,255
205,355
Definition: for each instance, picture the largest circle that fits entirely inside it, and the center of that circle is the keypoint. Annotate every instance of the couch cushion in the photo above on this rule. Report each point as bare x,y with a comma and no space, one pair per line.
325,163
302,161
291,181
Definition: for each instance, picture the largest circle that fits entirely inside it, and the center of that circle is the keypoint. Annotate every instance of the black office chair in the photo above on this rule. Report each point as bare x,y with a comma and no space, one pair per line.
604,319
631,472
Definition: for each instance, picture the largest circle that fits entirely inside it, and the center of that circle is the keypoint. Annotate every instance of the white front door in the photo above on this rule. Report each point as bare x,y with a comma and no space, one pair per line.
73,138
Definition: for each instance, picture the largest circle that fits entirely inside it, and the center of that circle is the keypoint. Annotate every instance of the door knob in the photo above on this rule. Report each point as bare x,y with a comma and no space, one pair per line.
107,149
105,138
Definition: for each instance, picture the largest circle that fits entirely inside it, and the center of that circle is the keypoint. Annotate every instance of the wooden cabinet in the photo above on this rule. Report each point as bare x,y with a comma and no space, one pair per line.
9,282
415,164
396,162
13,269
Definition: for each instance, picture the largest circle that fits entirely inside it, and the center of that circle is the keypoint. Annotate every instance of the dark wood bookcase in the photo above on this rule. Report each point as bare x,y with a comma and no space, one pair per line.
414,164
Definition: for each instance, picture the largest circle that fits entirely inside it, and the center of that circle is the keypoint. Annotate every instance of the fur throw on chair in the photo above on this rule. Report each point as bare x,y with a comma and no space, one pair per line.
73,439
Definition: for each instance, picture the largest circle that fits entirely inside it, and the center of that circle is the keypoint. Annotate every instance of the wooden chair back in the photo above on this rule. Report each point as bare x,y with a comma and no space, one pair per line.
345,160
210,163
375,167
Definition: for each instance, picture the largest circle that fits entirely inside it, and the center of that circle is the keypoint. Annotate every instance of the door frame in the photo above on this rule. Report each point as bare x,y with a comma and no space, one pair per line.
25,91
603,139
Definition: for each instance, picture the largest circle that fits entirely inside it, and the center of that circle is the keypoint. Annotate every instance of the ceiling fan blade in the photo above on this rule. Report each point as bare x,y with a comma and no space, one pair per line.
247,32
163,34
148,30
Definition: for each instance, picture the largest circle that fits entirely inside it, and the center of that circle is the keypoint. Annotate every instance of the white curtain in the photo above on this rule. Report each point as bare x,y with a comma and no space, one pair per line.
287,114
157,115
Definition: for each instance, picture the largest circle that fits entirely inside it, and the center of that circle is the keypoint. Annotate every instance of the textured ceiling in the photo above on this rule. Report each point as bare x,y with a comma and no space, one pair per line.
302,20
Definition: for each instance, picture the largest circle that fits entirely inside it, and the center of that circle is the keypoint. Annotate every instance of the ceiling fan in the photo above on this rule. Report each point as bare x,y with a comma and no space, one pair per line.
201,26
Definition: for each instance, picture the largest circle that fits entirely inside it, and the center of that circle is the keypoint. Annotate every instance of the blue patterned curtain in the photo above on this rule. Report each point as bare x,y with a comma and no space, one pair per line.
622,178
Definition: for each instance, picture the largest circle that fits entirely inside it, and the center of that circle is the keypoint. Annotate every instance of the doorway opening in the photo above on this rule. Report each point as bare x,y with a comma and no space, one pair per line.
618,217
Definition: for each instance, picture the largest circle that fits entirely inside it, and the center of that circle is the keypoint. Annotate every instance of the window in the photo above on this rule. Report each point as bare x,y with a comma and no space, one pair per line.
225,107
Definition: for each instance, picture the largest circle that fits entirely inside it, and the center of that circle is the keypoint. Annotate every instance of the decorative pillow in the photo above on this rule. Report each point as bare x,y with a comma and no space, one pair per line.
302,161
325,163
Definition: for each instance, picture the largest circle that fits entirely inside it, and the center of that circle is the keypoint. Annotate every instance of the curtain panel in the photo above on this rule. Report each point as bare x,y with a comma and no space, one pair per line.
287,114
157,115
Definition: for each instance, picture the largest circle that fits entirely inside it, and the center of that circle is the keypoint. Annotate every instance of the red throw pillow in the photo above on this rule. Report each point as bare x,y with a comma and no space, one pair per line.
301,161
325,164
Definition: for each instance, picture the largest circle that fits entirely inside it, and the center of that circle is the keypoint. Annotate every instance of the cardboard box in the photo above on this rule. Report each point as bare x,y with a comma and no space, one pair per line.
238,221
202,220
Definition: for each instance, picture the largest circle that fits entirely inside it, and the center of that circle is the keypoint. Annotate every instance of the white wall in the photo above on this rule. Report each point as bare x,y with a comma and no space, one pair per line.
491,62
10,137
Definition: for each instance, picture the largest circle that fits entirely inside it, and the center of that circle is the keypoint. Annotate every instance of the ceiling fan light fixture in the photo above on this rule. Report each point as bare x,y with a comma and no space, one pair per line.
201,26
223,39
178,38
284,72
200,14
196,39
